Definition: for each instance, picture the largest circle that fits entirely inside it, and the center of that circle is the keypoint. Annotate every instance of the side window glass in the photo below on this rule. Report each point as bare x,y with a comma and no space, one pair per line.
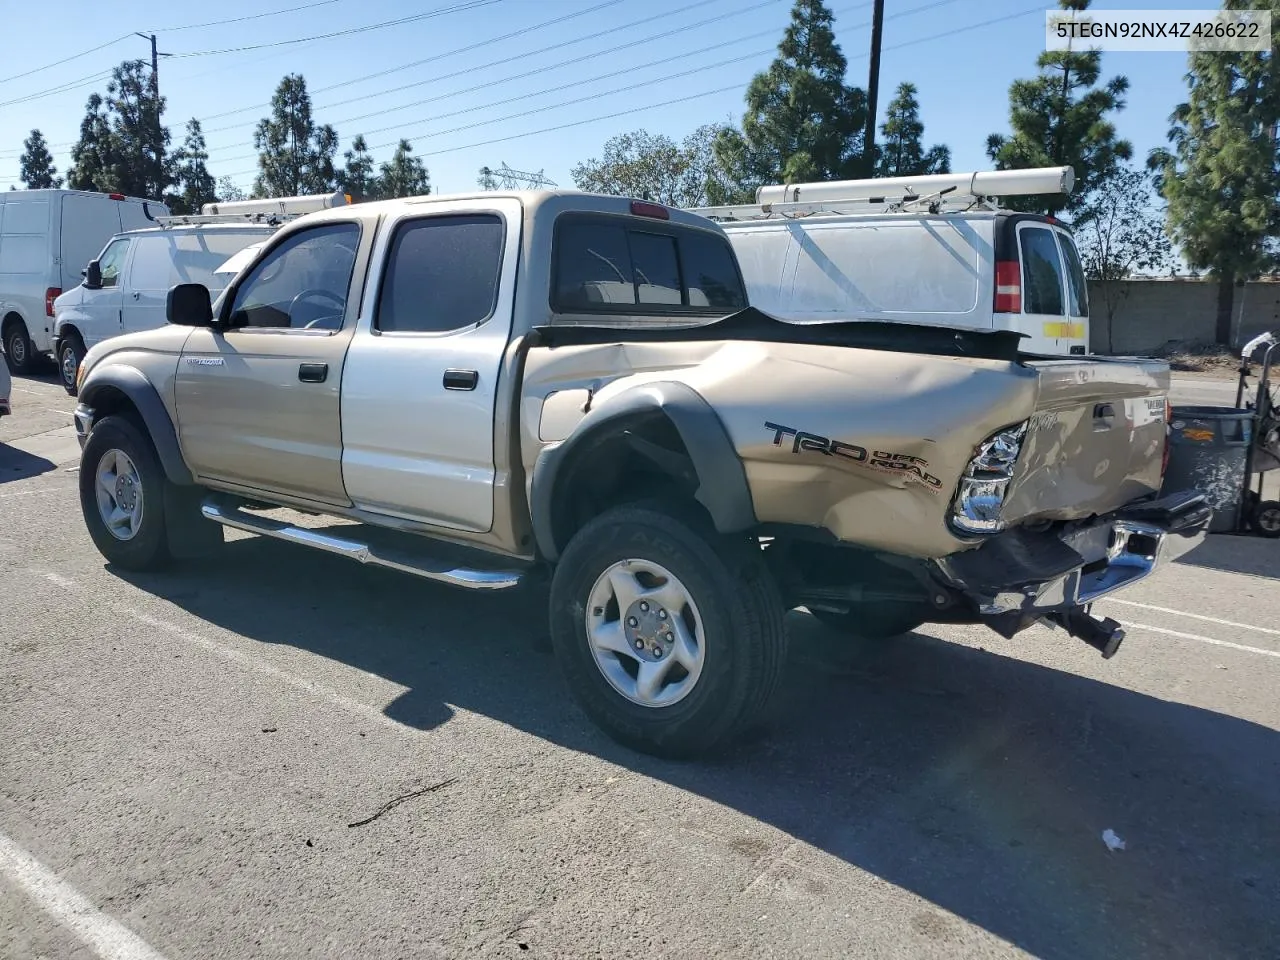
657,270
1041,272
1077,289
111,260
442,274
303,283
593,266
710,272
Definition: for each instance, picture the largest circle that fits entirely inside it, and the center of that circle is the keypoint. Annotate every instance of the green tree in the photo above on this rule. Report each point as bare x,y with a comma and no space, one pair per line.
139,138
802,123
1059,118
655,167
404,175
1119,231
1221,176
228,191
486,180
295,157
357,176
93,154
191,173
901,153
36,164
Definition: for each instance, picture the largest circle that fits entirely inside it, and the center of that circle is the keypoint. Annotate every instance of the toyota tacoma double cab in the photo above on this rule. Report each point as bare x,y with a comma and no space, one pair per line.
484,390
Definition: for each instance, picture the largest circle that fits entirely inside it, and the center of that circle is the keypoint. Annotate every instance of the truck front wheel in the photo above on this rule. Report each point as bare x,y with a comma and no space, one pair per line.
670,635
122,495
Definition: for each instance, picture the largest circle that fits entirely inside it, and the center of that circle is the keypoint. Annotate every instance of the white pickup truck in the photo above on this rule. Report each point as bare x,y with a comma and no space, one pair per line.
481,389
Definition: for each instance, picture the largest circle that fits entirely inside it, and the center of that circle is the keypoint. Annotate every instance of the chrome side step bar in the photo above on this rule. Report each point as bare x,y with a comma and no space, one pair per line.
230,516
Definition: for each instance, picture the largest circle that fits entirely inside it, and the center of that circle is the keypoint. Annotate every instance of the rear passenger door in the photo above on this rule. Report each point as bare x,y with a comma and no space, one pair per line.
421,379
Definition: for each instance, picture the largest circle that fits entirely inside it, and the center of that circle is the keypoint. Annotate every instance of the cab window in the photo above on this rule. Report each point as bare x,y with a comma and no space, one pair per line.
111,260
302,284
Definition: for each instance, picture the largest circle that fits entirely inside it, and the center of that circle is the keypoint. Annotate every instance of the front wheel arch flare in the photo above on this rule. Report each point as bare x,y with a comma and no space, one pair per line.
722,481
145,399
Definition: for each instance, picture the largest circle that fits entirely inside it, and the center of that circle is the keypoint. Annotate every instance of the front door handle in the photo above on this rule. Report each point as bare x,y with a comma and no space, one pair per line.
461,379
313,372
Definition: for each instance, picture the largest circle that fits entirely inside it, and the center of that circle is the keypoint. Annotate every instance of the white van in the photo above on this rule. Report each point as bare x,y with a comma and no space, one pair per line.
126,286
46,238
931,250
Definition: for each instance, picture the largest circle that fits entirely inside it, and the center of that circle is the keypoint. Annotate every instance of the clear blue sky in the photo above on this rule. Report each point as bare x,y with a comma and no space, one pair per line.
630,73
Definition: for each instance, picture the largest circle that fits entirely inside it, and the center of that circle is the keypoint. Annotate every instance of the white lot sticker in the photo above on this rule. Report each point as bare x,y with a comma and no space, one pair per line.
1145,410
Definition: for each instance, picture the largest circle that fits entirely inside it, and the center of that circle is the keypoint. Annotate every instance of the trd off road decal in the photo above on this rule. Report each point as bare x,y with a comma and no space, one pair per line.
902,464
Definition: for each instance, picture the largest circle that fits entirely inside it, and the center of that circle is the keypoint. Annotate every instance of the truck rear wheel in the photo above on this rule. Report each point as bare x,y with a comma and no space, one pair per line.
122,495
670,635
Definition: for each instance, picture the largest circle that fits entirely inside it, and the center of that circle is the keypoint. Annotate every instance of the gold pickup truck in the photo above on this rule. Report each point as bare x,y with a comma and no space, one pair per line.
484,390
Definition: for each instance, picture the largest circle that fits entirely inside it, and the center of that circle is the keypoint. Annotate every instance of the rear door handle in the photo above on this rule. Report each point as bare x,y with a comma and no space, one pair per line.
313,372
461,379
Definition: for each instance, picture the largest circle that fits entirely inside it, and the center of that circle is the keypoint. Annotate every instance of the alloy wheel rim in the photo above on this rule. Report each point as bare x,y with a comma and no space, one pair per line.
68,366
645,633
118,490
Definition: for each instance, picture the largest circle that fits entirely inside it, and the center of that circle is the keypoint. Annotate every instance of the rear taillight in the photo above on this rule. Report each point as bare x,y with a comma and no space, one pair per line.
1008,287
1168,429
50,295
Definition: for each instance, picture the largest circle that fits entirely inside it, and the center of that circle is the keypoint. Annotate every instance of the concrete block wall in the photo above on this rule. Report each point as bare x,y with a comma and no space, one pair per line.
1150,313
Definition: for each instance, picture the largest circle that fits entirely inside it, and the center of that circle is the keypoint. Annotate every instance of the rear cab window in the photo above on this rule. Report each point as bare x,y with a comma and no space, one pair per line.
631,267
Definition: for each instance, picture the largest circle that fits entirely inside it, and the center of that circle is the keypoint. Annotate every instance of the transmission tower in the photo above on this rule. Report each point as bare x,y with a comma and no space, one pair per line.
504,178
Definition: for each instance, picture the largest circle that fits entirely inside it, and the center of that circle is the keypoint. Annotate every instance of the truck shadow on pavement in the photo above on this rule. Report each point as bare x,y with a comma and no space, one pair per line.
1237,553
17,464
976,781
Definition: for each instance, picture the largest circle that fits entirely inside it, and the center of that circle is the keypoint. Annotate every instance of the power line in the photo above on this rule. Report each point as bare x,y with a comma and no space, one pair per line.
86,81
74,56
585,82
695,96
450,53
461,7
252,16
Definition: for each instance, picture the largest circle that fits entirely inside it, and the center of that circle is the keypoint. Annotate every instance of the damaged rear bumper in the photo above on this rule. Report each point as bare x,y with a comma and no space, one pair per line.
1021,577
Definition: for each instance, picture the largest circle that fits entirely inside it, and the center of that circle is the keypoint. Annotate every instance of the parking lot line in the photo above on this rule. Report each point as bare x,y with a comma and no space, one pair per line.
1212,640
1195,616
235,656
108,938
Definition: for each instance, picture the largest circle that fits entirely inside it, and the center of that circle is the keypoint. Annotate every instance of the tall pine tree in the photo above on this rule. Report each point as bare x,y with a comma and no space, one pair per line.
123,141
93,155
191,175
1059,118
36,164
295,156
901,152
404,175
358,178
1222,176
802,123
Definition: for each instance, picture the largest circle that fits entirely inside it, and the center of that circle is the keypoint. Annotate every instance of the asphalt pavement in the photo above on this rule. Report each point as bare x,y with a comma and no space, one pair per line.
279,754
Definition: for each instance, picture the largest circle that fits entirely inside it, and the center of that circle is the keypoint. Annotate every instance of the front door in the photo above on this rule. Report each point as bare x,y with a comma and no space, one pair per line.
258,403
421,379
100,307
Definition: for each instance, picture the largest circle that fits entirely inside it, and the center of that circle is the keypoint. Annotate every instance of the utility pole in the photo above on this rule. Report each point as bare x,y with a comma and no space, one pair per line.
158,141
873,89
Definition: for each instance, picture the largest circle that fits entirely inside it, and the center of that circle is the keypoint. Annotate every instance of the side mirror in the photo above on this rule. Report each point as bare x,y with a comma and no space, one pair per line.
93,275
188,305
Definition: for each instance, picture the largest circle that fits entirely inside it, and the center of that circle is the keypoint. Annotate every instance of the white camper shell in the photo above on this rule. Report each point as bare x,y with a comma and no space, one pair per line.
932,250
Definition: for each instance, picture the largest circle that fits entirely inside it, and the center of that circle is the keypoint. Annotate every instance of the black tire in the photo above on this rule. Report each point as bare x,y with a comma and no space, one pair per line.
871,622
148,548
70,355
742,626
19,351
1265,519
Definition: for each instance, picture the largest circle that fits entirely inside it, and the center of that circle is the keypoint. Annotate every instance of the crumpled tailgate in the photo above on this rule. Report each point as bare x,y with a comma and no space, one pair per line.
1096,441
